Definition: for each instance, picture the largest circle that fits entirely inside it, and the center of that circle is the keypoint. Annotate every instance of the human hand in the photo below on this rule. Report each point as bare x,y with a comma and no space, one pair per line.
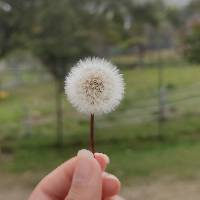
80,178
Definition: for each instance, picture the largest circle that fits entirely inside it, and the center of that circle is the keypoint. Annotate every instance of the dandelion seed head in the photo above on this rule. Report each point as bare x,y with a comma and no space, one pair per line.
95,86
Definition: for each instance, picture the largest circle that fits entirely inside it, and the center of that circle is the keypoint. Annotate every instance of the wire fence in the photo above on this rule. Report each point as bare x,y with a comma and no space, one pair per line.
171,102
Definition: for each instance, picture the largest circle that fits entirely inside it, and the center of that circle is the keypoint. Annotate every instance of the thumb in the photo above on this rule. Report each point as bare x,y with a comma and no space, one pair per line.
87,178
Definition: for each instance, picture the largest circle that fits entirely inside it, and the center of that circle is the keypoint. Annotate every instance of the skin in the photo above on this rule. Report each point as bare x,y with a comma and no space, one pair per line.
80,178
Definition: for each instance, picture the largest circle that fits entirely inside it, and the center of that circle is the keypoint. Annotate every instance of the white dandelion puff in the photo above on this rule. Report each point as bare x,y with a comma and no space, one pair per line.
94,86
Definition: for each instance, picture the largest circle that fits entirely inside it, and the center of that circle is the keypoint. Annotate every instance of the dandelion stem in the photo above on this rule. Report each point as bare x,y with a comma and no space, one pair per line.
92,148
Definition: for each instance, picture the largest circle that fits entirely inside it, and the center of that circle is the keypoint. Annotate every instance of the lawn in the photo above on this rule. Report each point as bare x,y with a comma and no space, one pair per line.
129,135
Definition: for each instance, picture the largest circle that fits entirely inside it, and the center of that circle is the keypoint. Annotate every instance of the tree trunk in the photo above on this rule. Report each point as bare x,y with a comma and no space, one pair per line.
59,113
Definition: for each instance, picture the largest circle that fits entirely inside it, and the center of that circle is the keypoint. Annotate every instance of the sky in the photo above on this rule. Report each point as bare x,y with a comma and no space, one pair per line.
177,2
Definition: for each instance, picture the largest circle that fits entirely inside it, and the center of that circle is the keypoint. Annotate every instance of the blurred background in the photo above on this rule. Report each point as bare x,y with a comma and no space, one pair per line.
153,138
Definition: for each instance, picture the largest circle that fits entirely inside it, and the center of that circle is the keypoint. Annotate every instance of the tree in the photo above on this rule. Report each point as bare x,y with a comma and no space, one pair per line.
13,29
192,42
58,38
192,33
193,7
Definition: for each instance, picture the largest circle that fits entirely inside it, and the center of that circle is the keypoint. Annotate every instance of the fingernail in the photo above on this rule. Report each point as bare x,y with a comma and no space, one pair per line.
86,154
84,168
107,159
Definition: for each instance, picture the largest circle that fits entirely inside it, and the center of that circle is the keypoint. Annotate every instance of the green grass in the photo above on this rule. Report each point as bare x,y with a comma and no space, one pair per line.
149,58
129,135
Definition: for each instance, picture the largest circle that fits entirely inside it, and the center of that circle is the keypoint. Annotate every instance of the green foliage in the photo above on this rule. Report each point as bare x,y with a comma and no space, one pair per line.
58,36
174,16
192,42
15,17
193,7
60,32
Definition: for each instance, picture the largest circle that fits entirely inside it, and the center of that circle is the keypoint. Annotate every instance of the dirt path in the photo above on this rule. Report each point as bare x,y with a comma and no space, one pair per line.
14,193
19,188
15,187
165,189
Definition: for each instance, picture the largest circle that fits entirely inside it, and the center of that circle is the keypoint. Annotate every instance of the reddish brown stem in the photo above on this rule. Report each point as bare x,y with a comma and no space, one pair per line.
92,148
